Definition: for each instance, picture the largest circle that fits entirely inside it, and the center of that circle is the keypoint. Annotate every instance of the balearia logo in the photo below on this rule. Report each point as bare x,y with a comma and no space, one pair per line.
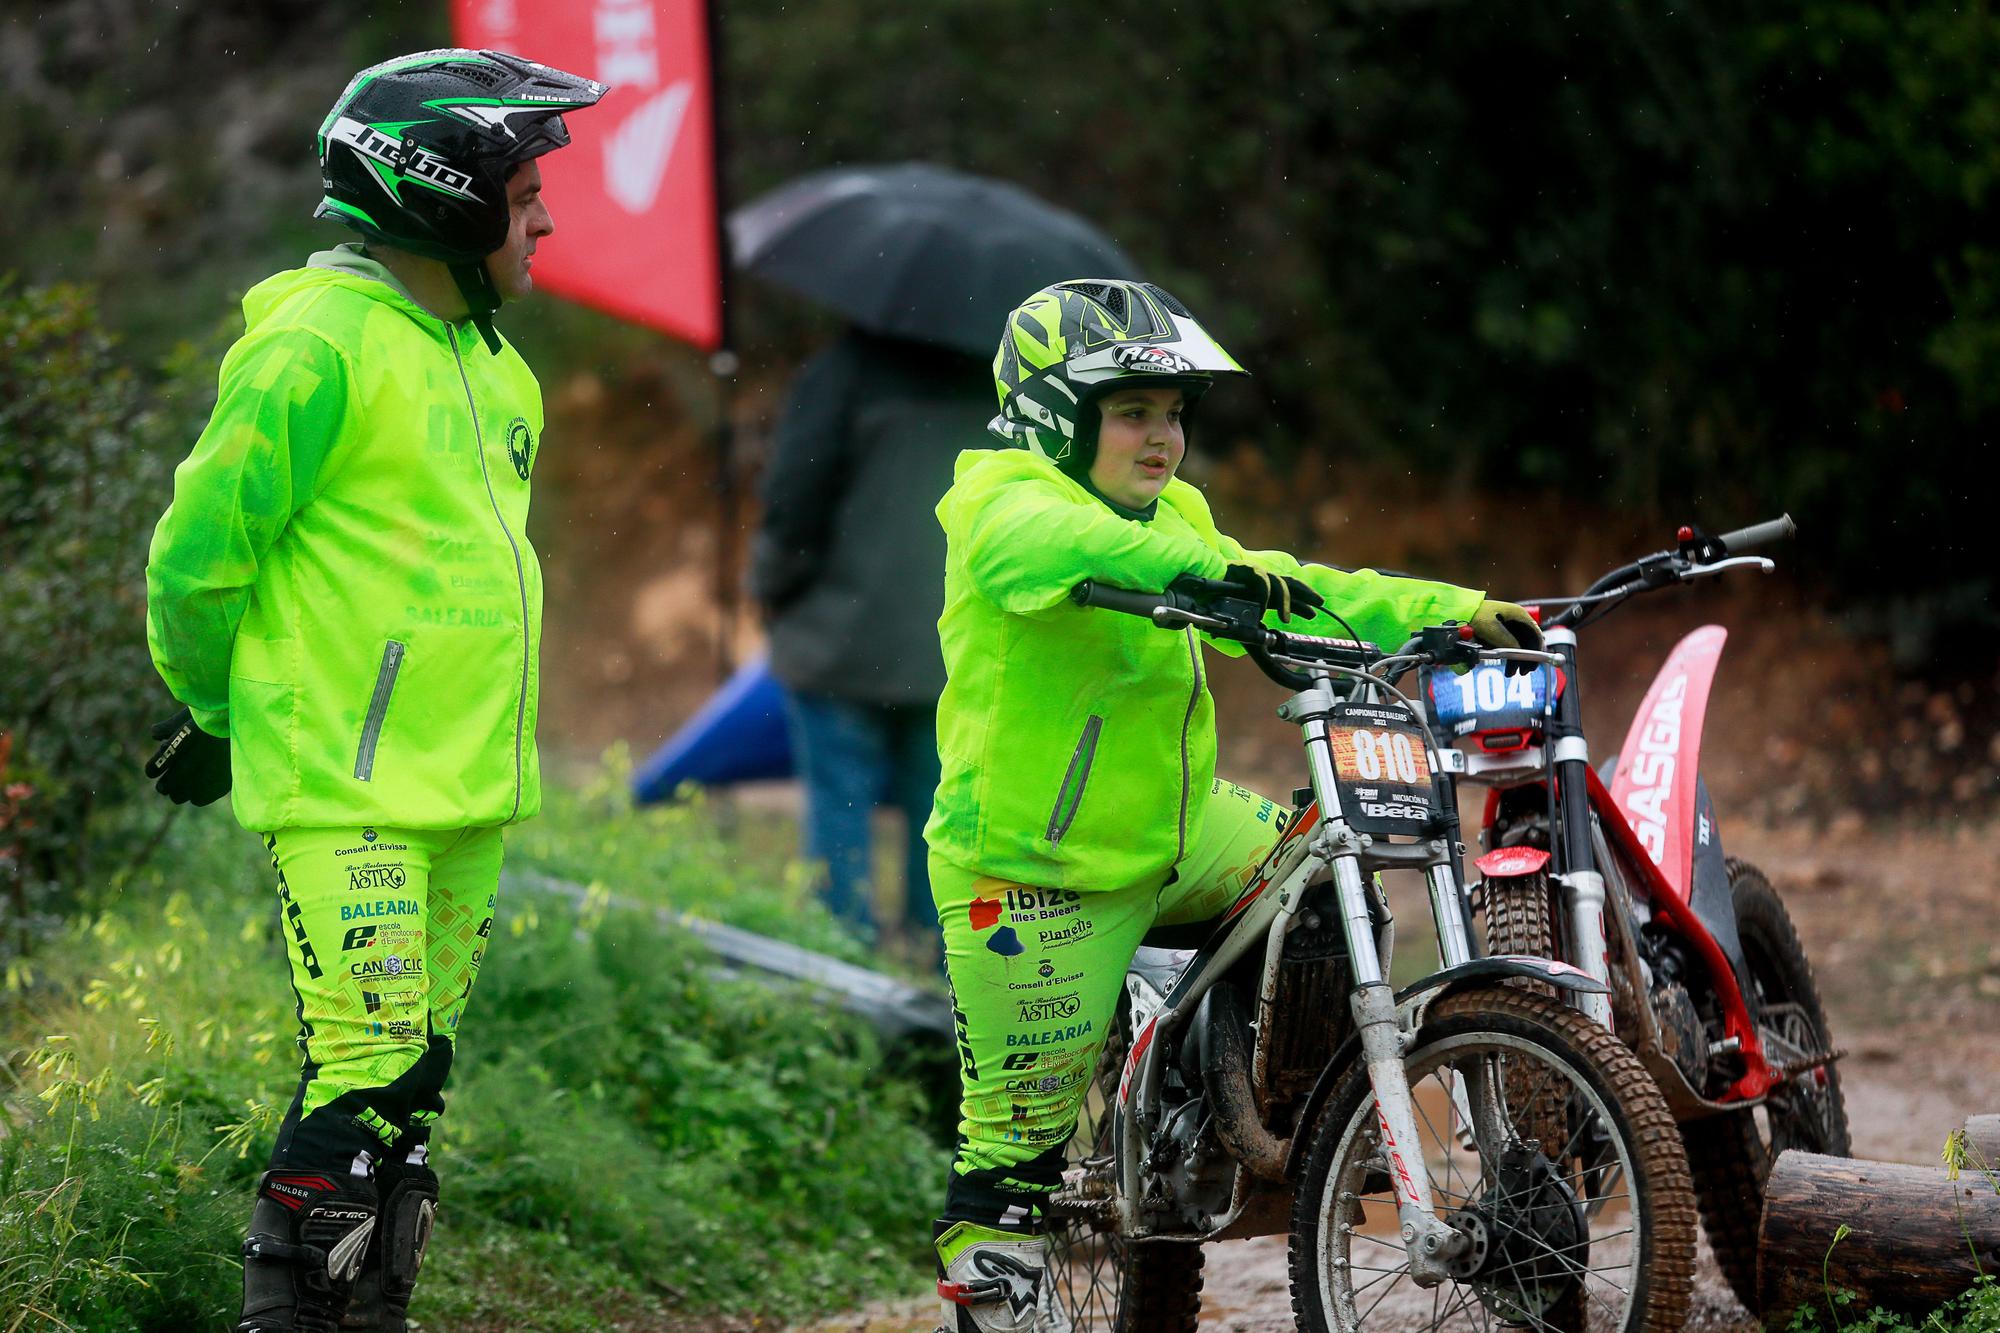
377,907
520,446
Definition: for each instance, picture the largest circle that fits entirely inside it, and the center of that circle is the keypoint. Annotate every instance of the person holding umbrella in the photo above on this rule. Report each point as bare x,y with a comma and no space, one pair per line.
1079,805
848,560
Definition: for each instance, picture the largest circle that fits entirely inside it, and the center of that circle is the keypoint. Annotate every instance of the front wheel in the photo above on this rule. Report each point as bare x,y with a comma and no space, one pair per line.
1732,1154
1098,1281
1592,1231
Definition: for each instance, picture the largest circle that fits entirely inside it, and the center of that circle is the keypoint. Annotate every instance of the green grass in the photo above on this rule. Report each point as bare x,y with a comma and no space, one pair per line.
631,1142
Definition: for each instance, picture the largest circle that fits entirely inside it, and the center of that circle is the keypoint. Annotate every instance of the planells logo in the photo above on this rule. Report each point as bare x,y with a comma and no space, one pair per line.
984,914
520,446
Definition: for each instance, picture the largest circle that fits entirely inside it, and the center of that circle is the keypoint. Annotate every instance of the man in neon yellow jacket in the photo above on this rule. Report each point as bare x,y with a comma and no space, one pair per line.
1079,806
343,598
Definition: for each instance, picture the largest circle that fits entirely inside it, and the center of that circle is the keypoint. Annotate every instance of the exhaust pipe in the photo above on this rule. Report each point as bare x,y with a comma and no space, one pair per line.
1219,1031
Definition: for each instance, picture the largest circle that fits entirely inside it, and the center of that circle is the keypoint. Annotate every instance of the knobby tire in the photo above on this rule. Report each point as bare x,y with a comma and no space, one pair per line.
1728,1153
1662,1196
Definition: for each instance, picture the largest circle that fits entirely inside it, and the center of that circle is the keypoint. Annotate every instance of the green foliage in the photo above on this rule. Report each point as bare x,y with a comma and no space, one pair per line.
628,1132
83,477
1975,1311
1703,259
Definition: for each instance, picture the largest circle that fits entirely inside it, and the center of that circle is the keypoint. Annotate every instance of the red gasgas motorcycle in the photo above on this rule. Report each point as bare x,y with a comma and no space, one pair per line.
1622,874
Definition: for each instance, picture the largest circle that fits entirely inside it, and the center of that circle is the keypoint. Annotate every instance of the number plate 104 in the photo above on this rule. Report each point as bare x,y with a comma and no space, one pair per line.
1383,768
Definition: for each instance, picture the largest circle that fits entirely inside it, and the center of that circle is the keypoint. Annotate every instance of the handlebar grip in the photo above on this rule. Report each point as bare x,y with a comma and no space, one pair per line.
1092,593
1757,534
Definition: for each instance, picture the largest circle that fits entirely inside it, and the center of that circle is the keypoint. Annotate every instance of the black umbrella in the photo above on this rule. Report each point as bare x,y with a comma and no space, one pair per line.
917,251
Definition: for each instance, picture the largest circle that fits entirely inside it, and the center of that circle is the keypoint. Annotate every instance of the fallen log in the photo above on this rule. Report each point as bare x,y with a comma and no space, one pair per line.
1915,1237
1982,1141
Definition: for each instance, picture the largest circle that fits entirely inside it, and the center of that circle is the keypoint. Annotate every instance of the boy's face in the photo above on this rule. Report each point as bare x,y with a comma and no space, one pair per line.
528,221
1139,445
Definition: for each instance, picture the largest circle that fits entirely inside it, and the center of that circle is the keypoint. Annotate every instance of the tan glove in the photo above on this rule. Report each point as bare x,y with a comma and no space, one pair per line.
1505,625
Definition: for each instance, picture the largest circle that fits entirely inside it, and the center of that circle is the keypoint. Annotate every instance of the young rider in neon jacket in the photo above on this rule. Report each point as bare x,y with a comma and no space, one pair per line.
1079,806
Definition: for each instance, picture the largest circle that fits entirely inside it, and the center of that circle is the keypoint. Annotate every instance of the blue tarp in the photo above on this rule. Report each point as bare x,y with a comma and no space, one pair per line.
738,736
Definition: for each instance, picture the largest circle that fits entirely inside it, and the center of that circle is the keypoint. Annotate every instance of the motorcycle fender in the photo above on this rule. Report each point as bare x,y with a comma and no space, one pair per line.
1654,785
1512,862
1411,1004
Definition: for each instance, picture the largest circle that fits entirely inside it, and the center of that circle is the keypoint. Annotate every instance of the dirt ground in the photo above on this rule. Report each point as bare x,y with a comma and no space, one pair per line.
1900,925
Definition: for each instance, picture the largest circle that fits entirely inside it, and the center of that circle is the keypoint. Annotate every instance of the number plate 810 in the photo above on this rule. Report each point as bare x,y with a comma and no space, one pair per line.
1382,766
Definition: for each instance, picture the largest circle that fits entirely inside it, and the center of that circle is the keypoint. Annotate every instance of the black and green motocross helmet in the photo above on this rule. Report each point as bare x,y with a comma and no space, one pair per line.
1072,342
417,151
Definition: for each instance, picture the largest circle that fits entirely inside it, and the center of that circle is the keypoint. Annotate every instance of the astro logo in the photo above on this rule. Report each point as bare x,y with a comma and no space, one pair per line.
983,913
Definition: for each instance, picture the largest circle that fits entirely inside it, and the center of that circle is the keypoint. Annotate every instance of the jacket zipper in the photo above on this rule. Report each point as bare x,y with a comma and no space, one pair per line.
1187,720
1080,760
520,576
378,709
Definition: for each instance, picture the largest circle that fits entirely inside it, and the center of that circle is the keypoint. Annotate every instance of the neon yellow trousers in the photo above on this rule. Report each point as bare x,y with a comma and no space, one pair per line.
1035,979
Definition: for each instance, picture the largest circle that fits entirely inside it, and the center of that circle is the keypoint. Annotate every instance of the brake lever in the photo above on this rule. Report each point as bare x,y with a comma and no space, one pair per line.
1173,617
1761,563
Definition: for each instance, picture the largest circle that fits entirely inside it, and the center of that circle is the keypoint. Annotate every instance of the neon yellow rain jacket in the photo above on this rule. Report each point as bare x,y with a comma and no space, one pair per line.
343,584
1072,738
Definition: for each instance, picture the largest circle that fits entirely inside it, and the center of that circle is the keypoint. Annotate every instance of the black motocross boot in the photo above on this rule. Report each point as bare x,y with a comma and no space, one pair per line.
409,1195
308,1235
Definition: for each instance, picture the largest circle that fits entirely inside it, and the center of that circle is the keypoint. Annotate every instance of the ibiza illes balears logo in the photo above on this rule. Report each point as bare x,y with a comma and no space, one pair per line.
520,446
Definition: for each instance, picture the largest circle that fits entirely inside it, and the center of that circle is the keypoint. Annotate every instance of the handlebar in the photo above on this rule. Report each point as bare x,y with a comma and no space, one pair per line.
1696,556
1758,534
1223,616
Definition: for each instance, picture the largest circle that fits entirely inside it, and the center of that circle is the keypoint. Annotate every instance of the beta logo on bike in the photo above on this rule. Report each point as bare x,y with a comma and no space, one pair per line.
984,914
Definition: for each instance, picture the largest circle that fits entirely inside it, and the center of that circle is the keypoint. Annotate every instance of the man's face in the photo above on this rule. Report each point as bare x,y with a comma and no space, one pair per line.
1139,445
528,221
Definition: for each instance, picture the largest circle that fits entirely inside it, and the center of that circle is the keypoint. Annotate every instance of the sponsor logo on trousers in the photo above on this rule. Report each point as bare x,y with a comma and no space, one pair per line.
379,907
1053,1006
392,966
1051,1036
376,878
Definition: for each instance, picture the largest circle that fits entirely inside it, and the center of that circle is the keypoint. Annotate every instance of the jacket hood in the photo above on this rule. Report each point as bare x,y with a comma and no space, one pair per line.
345,266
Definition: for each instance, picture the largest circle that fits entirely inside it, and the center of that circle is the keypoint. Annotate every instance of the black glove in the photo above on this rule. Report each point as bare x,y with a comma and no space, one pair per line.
1274,592
190,764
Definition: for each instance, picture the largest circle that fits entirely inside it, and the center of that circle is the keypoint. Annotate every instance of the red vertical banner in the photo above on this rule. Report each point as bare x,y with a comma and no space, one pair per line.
634,195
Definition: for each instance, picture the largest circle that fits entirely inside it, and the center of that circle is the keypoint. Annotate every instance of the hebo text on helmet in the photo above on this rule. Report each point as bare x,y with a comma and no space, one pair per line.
1071,343
417,151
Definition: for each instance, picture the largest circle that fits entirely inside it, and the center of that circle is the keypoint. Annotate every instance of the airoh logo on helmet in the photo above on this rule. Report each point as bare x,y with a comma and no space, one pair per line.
1156,359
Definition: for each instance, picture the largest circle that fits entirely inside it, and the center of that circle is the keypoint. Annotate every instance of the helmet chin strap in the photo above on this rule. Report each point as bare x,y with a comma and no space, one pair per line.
482,298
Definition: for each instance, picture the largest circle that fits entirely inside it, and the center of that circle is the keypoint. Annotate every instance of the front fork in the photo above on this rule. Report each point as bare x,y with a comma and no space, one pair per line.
1430,1242
1576,860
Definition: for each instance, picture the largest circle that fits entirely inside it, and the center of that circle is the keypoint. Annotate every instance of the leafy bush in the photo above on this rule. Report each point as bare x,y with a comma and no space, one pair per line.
630,1140
83,478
